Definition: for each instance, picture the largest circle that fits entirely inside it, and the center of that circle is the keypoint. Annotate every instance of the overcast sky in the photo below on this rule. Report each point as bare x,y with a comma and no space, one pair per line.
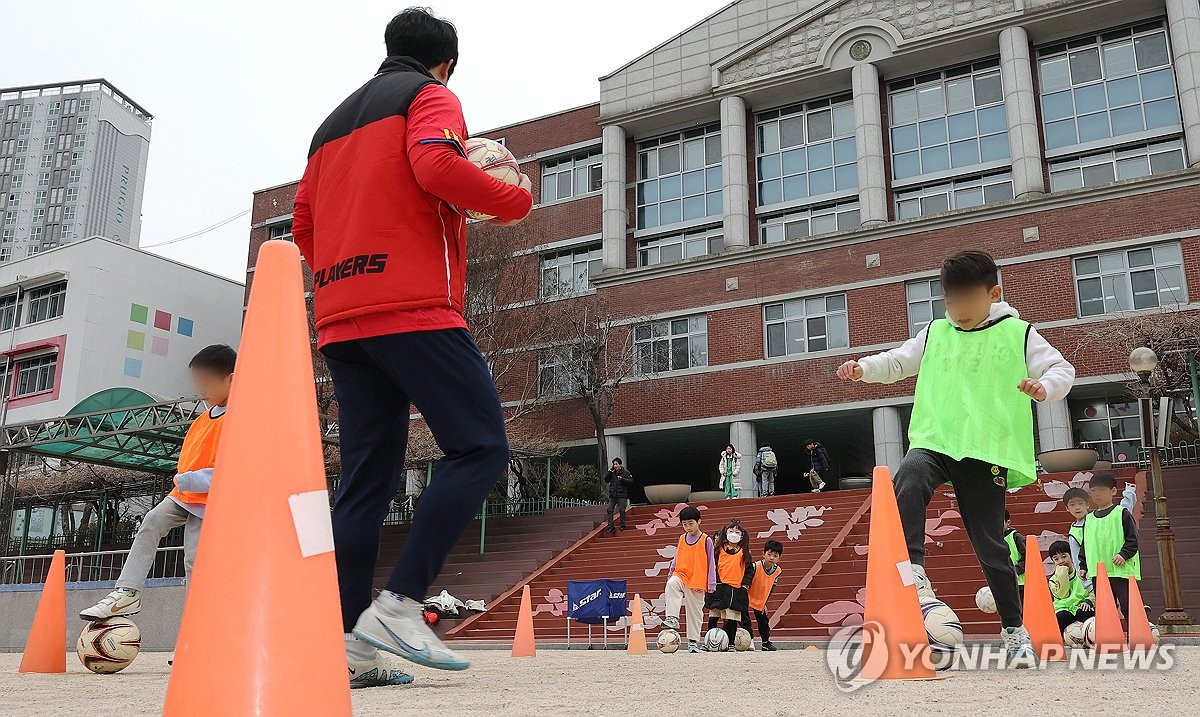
238,87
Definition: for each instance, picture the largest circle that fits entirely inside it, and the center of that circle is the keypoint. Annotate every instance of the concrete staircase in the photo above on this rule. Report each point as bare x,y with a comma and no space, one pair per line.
824,561
1182,488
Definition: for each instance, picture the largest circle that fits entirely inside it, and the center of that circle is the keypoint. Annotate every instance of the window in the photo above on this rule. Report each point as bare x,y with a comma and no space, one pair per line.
47,302
1108,85
18,164
12,111
47,161
69,214
35,235
52,126
948,121
68,232
36,375
60,160
6,164
25,128
76,159
569,272
14,199
48,144
44,179
817,323
5,252
676,247
959,193
671,345
679,178
571,176
282,232
33,249
806,150
85,106
81,125
1141,278
1138,160
22,146
925,303
18,181
69,107
39,215
55,108
6,146
64,141
8,308
27,111
556,373
809,222
73,177
80,141
1110,425
54,215
10,218
56,195
72,194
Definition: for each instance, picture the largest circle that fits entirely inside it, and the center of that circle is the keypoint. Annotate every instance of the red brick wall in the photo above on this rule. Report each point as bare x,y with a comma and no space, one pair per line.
547,133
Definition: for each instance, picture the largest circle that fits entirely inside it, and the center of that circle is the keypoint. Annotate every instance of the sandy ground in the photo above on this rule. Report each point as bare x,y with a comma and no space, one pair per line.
570,684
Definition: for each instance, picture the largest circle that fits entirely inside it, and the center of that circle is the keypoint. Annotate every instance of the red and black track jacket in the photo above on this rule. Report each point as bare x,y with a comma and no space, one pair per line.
373,215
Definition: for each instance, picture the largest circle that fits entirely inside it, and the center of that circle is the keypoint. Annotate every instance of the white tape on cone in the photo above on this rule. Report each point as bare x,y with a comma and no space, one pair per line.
310,515
905,568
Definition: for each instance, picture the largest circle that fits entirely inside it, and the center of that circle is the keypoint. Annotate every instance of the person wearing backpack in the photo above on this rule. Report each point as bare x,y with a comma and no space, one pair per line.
765,466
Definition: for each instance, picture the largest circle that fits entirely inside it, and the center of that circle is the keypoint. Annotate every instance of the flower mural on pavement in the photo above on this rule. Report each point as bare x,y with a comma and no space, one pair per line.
794,523
843,613
554,603
665,518
667,552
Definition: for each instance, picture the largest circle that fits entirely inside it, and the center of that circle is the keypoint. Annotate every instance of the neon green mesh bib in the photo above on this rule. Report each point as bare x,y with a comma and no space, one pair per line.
1103,538
967,404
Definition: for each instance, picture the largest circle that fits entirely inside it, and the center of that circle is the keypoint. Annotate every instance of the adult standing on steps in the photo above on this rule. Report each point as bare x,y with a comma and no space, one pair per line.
819,464
375,217
730,469
619,481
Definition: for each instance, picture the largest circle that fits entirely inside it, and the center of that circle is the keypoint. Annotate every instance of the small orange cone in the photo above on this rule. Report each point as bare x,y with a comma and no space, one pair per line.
637,629
1039,616
1141,637
1110,638
266,533
46,649
892,604
523,642
811,648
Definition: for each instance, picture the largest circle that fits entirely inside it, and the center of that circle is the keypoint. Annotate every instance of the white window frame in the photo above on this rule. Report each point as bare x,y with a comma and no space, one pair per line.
41,370
648,171
1113,165
800,312
955,191
578,167
50,299
1116,270
925,293
770,155
580,264
800,224
553,381
8,308
655,342
651,249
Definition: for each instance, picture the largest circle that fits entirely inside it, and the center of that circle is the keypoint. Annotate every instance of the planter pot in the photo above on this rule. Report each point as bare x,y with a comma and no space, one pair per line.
854,482
668,493
1102,467
706,496
1068,460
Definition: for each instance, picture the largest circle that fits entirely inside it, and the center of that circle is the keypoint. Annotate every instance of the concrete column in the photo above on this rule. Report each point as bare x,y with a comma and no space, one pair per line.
872,175
744,437
1054,425
616,449
1020,106
1183,22
889,437
615,215
735,186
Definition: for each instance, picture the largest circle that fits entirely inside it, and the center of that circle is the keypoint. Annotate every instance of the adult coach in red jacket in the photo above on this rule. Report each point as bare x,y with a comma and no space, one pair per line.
374,219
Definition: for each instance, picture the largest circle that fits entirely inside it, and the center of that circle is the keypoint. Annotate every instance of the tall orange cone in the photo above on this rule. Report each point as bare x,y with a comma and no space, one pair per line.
637,629
46,649
523,642
1110,637
1141,637
1039,616
892,602
266,544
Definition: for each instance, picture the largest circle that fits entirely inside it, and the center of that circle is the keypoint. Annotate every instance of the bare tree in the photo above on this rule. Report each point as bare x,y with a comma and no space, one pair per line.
1172,334
595,356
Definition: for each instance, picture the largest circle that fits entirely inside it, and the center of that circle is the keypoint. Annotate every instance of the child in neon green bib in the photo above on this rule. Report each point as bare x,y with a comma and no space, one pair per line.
1110,537
972,422
1078,604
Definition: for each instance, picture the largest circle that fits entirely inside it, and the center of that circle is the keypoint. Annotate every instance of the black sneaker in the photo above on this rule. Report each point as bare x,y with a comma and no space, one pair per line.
769,647
610,531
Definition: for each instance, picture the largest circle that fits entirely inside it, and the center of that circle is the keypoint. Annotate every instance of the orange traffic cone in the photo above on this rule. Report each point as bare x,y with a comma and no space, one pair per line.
1039,616
267,532
1110,638
1141,637
637,629
46,649
892,604
523,642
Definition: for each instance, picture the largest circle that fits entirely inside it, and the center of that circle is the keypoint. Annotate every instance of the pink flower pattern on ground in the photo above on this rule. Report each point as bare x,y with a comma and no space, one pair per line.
793,524
843,613
665,518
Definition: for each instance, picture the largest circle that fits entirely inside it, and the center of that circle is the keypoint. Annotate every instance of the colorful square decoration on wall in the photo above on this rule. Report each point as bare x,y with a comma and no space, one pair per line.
138,314
185,326
158,346
162,320
136,340
133,368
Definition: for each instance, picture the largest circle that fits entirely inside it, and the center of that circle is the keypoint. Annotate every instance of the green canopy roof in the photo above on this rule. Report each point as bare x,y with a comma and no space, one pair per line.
117,427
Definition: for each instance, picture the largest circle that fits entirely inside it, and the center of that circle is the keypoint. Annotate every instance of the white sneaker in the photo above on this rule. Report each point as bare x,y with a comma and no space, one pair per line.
924,587
671,623
820,486
1019,648
118,603
373,673
394,624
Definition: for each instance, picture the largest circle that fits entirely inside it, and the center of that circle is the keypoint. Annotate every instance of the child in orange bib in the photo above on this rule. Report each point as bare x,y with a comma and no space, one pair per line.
766,575
693,572
730,598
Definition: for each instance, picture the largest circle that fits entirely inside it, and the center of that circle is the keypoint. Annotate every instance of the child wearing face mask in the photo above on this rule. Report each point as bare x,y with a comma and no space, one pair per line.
735,571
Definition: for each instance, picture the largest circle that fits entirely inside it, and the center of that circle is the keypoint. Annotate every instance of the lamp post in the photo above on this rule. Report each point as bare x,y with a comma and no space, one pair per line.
1143,361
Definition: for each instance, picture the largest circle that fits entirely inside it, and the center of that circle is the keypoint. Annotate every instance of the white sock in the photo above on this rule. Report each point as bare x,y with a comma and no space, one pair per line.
394,605
356,649
128,591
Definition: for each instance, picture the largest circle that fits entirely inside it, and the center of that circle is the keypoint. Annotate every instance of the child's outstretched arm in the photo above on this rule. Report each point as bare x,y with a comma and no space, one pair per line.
1050,375
712,564
1129,497
889,366
195,481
